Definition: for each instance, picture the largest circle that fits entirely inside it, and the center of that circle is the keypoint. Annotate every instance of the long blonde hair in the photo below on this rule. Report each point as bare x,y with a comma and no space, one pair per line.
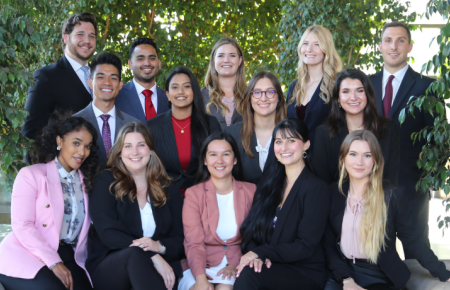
372,229
332,65
212,80
157,178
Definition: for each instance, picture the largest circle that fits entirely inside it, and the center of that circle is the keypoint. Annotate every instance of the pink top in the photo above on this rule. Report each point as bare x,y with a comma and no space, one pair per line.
229,102
350,230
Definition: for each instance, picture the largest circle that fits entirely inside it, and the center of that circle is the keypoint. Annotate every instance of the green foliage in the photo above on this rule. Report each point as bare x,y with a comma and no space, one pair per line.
354,24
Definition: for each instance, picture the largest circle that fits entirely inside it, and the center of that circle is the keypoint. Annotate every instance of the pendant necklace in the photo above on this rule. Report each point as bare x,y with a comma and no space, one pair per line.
182,128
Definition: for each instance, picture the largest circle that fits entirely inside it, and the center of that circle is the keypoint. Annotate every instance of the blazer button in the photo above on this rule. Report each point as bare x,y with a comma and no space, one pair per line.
47,205
44,225
224,247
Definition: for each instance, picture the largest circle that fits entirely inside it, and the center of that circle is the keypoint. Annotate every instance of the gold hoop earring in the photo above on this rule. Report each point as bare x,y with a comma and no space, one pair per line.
339,104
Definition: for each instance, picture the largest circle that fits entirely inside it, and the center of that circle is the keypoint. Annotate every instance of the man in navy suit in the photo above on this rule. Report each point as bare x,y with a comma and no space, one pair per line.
63,85
394,86
142,98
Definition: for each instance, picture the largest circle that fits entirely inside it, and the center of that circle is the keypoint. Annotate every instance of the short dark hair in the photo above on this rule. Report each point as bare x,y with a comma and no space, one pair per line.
106,58
75,19
141,41
396,24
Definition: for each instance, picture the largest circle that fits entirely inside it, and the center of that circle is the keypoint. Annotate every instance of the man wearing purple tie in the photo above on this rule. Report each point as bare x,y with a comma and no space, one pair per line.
394,86
105,82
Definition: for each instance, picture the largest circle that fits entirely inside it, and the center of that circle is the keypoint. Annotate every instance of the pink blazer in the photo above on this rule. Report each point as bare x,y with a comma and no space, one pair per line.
37,209
203,246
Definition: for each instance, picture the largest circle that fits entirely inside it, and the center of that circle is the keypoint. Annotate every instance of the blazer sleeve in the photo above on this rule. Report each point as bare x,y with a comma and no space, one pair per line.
316,206
406,233
320,159
174,243
392,166
23,217
194,237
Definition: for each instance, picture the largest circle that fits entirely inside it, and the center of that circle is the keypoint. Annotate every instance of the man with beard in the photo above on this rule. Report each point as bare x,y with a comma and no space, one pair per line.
63,86
142,98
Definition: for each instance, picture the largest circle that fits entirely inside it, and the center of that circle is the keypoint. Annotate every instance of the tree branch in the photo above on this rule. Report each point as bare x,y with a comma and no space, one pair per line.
108,20
268,47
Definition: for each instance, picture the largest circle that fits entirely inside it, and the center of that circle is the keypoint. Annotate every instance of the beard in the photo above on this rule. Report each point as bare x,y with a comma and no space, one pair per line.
73,50
144,78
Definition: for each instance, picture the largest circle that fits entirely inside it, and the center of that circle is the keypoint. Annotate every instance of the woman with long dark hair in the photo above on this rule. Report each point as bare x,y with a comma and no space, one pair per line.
213,211
366,216
264,107
136,214
50,220
354,107
281,236
179,133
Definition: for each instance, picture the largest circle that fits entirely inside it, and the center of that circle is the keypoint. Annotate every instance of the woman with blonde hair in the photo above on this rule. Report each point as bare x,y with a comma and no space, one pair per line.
225,82
138,236
318,65
365,218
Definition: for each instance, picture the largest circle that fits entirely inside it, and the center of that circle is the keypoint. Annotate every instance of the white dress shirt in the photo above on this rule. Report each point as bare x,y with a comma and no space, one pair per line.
77,68
398,78
148,221
227,226
111,121
139,90
263,152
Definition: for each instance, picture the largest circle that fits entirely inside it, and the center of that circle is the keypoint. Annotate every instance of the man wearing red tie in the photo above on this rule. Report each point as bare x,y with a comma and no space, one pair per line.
394,86
142,98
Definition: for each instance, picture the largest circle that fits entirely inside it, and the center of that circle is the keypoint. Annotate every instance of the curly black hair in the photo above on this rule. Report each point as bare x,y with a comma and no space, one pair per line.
44,149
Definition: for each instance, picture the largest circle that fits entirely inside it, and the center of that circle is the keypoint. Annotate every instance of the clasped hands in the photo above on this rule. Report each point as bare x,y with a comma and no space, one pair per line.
251,259
147,244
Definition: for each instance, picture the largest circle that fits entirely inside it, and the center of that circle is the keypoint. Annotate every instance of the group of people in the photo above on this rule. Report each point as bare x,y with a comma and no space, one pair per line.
229,186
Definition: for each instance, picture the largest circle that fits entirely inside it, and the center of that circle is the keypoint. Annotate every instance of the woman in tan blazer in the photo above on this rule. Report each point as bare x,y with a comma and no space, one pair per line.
213,212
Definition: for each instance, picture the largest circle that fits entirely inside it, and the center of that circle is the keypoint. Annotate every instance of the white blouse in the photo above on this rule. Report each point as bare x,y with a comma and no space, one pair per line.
227,226
147,219
263,152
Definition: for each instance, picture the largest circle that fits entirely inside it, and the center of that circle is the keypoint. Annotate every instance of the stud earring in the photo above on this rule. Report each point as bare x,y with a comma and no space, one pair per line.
58,148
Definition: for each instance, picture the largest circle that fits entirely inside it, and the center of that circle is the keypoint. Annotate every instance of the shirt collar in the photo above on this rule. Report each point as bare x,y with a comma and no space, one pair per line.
62,172
140,88
75,65
97,111
398,75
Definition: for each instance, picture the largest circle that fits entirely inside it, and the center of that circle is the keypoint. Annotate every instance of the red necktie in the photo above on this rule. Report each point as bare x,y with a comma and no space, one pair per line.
150,111
387,101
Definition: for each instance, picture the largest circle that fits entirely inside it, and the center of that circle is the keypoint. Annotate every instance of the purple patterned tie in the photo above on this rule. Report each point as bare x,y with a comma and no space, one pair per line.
106,133
387,101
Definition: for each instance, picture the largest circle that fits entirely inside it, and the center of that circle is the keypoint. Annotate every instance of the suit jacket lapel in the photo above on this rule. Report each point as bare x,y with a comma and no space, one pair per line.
120,121
161,95
212,208
135,103
135,216
403,91
255,161
341,207
377,82
72,75
240,203
314,99
55,194
87,220
171,142
234,116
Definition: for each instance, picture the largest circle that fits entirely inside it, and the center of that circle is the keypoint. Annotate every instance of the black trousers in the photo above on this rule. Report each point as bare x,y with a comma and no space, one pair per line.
334,285
278,276
126,269
419,209
46,280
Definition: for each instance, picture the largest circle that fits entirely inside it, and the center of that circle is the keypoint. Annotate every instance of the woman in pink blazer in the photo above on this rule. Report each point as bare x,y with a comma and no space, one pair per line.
213,212
49,212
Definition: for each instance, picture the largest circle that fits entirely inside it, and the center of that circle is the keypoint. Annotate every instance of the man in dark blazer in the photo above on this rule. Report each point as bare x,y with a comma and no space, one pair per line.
105,82
142,98
63,85
394,86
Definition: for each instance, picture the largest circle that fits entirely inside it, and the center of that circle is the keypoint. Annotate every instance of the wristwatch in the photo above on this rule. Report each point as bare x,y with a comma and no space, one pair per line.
163,251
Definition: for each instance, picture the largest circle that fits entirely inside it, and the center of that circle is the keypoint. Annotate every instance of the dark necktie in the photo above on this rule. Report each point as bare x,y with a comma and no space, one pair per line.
150,111
387,101
106,133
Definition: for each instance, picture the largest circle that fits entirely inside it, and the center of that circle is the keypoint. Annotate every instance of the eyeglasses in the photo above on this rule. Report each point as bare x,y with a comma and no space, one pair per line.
269,94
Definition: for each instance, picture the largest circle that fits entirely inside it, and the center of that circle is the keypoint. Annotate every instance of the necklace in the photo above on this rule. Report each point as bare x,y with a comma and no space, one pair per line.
182,128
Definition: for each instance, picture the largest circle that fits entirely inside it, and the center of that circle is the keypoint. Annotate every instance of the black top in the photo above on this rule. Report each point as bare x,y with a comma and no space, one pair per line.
117,223
251,170
325,161
217,112
166,146
299,229
398,221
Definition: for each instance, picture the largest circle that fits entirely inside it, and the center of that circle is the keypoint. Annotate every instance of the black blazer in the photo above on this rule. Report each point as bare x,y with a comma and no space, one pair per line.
117,223
297,236
56,86
236,117
166,146
128,102
412,85
398,221
251,170
315,114
325,161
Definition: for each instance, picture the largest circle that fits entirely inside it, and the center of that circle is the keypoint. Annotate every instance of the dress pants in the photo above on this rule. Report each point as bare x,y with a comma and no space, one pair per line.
418,209
126,269
45,279
278,276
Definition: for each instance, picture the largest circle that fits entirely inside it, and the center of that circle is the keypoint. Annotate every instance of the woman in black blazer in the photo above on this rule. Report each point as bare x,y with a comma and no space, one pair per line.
365,218
287,220
137,236
264,107
318,64
179,133
354,107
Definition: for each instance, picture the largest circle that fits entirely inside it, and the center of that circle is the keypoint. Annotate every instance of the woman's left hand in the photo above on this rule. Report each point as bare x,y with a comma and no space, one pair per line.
245,261
147,244
229,271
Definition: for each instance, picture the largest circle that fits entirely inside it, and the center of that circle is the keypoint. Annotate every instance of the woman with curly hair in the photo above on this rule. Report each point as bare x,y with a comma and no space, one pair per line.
318,64
138,238
225,82
47,247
